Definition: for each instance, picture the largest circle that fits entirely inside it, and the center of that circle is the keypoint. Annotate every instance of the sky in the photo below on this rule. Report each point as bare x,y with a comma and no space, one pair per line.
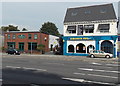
31,15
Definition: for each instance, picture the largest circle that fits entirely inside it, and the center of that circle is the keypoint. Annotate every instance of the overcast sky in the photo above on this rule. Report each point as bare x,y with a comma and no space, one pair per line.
31,15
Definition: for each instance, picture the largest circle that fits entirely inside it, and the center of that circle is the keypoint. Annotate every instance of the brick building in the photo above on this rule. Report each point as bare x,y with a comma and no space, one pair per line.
26,41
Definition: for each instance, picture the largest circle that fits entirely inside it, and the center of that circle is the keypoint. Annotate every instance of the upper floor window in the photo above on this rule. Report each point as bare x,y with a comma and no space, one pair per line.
71,29
29,36
14,36
21,36
103,28
8,36
35,36
89,28
80,30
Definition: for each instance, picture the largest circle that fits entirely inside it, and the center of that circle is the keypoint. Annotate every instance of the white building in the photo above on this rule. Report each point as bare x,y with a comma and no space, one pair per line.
53,41
88,28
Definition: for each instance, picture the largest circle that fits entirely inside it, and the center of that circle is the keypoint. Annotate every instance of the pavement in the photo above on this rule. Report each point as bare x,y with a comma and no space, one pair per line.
60,69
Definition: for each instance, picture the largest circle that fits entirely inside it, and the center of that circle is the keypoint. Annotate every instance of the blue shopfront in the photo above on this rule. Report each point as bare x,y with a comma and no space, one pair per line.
79,45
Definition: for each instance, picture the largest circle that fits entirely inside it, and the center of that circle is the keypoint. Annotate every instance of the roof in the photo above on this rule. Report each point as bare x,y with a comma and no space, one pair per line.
90,13
22,31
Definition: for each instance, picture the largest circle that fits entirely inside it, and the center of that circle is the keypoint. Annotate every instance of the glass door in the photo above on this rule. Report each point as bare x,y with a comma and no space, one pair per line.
21,46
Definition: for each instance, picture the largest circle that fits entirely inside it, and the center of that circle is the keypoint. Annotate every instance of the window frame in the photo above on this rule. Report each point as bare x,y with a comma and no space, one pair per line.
104,30
29,36
89,29
71,31
8,36
35,36
14,36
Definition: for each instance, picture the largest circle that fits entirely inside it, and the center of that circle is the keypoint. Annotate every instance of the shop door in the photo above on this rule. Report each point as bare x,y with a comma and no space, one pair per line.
21,46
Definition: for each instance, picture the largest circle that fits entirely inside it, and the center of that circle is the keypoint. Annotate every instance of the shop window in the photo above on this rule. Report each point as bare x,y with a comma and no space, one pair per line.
32,46
8,36
107,46
80,48
35,36
11,45
89,28
103,28
71,29
14,36
89,48
29,36
71,49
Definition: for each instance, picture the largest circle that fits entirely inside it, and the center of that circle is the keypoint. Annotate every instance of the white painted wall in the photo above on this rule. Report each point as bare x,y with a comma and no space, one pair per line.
53,41
86,43
112,31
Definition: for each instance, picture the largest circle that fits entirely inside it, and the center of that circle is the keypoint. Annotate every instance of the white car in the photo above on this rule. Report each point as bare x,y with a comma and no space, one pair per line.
99,53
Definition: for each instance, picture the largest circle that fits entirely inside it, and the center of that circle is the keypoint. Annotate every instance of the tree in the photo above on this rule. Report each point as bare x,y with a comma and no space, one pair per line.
24,29
49,28
41,48
10,28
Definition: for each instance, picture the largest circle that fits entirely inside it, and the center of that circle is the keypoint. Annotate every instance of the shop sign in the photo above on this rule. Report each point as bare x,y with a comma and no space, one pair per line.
80,38
21,36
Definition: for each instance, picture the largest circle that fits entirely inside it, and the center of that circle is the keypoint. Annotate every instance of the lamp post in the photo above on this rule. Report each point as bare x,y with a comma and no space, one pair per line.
31,47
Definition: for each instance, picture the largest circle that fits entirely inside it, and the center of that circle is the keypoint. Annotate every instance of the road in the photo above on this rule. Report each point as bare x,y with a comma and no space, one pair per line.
55,69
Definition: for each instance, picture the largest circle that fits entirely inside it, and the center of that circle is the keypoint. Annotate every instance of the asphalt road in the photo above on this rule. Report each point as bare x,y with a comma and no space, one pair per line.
49,69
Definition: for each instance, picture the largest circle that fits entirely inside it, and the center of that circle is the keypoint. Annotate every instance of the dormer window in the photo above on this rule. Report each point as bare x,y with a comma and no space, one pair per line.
71,29
87,12
102,11
103,28
73,13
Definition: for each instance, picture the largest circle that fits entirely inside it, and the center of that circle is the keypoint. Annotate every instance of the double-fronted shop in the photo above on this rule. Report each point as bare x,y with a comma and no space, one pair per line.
90,28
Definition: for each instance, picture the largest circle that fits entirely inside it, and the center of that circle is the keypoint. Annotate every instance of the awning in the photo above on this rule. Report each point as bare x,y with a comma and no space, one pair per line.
103,26
71,28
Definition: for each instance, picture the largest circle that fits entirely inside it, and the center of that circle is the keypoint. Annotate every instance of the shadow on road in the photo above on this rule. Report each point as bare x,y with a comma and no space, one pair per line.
21,77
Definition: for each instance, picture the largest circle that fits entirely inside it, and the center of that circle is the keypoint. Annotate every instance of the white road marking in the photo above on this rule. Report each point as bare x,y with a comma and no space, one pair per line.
96,75
34,69
102,76
96,63
80,73
73,79
98,70
12,67
83,80
26,68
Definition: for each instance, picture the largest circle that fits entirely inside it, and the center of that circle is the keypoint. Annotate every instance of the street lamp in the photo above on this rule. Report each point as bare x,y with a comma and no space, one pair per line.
45,38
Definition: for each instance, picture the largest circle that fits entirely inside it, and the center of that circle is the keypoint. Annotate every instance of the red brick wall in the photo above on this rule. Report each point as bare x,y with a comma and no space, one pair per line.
39,40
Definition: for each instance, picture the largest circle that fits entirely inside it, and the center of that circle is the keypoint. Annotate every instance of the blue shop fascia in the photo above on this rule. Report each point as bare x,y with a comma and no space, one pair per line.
109,47
90,28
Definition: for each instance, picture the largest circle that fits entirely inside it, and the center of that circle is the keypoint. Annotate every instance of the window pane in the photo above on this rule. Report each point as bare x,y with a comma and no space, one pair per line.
29,36
35,36
71,29
8,36
14,36
104,27
89,28
32,46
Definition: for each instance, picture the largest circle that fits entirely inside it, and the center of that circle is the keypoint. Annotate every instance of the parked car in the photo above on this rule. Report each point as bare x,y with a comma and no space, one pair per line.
99,53
13,51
